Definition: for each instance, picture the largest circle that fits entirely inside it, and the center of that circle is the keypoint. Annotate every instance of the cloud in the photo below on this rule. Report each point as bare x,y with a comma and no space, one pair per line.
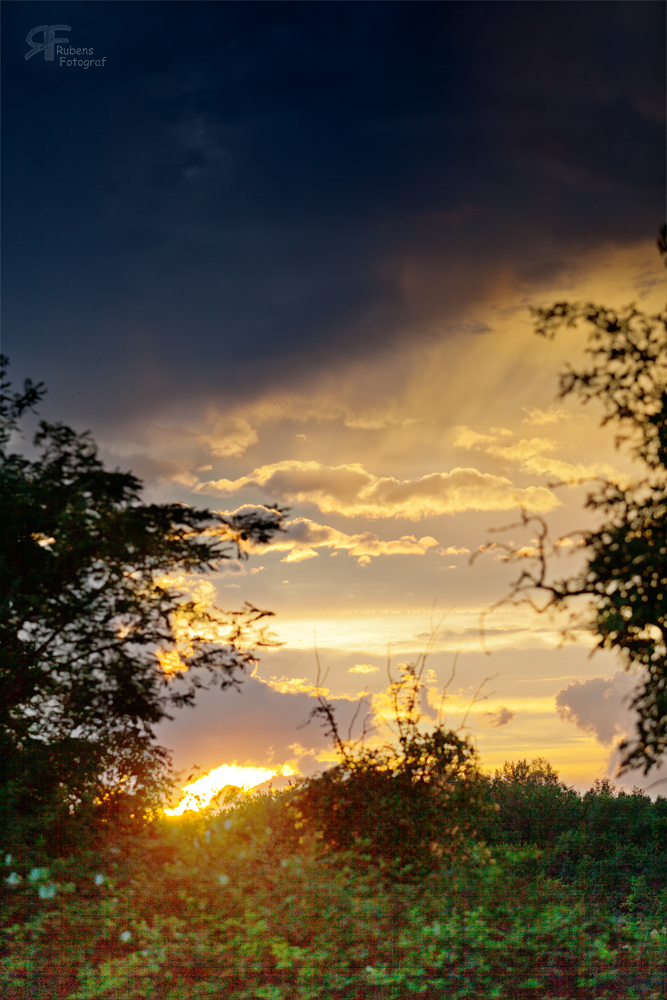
551,416
159,470
255,725
524,449
495,720
281,239
467,438
303,536
353,491
377,419
232,567
298,554
363,668
452,550
599,705
530,454
230,437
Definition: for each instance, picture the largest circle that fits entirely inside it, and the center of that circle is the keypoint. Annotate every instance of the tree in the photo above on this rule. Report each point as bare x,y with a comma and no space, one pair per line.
624,576
535,806
97,639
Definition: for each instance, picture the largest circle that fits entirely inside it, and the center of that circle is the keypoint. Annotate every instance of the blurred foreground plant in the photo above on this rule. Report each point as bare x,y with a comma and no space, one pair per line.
231,906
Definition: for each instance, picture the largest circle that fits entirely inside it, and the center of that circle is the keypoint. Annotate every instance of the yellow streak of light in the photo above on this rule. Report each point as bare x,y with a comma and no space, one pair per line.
198,794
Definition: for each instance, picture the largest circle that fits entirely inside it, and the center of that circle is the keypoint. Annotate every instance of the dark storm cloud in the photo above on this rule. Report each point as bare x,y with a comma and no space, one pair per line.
247,192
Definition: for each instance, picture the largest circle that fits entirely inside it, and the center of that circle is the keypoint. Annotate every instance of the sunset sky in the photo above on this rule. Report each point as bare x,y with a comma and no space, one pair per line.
285,253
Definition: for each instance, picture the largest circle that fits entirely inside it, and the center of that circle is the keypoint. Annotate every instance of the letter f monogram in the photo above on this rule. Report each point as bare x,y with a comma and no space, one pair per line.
49,40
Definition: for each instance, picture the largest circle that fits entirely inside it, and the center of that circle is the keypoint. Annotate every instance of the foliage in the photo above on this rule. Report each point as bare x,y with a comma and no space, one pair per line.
624,579
617,852
406,802
87,608
232,905
534,807
609,843
409,807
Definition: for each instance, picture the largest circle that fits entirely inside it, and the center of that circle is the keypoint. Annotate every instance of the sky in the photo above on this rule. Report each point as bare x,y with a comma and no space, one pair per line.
285,253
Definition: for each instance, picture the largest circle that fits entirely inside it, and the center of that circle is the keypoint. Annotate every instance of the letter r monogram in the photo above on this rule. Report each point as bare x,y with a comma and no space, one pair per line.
49,39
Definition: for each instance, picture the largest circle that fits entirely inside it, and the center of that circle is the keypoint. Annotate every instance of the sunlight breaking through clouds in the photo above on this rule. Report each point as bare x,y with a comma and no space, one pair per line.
531,457
198,794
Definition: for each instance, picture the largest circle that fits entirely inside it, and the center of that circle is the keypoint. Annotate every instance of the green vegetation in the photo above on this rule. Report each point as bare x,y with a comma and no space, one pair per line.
403,870
258,901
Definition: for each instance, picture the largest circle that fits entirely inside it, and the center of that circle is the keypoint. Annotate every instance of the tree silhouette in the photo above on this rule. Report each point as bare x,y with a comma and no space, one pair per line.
625,573
90,617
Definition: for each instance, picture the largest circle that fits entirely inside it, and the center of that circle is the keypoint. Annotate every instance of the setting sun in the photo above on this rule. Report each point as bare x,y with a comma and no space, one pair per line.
200,793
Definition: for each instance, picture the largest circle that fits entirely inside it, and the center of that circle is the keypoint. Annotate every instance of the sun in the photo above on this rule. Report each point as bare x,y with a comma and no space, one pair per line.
198,794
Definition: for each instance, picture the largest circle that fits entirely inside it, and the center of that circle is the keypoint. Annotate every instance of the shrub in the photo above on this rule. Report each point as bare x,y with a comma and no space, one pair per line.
408,803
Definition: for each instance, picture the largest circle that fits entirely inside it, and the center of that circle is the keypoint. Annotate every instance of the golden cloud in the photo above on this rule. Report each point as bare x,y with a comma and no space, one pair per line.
298,555
301,685
353,491
303,536
467,438
531,452
533,460
551,416
230,437
524,450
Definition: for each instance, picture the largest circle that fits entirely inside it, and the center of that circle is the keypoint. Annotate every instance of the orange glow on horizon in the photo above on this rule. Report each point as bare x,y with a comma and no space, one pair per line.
198,794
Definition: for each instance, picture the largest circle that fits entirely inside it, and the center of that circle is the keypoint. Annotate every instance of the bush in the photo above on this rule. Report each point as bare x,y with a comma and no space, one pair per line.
406,807
407,803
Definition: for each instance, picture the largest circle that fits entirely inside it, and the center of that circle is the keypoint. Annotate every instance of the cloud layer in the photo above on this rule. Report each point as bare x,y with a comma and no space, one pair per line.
256,725
353,491
285,187
599,705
